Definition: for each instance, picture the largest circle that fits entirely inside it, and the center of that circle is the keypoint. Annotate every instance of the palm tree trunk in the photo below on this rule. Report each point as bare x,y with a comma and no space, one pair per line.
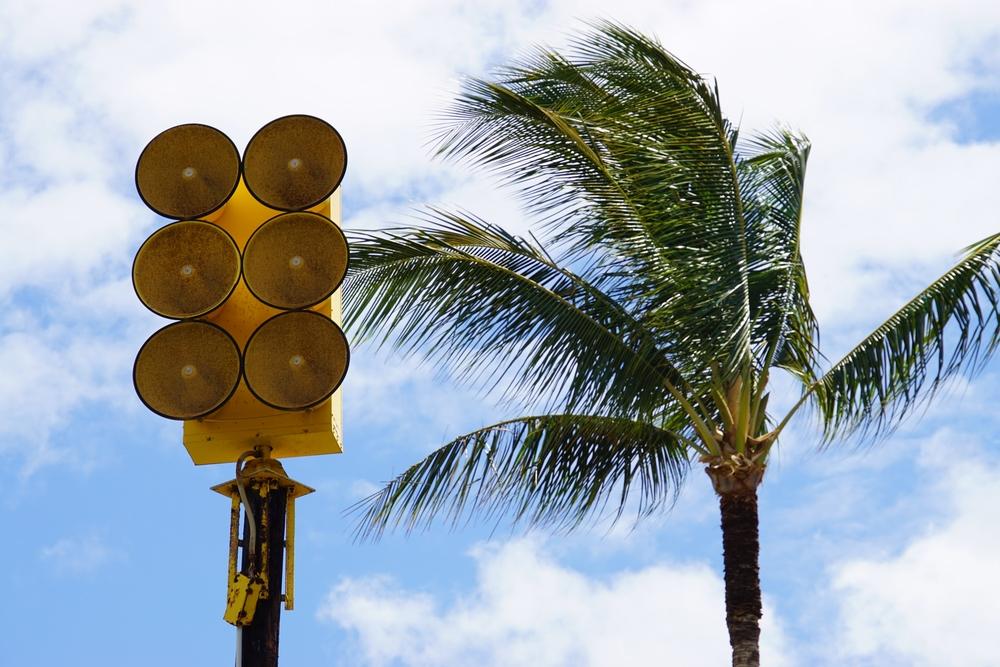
740,549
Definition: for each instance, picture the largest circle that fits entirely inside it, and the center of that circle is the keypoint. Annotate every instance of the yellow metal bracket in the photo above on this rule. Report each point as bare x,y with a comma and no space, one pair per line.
241,600
263,474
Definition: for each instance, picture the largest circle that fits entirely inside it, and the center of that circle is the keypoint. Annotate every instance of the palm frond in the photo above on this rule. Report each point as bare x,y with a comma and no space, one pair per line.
556,470
623,148
772,167
493,306
951,326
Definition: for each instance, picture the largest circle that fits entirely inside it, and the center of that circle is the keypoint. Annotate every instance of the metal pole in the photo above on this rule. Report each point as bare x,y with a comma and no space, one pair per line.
268,501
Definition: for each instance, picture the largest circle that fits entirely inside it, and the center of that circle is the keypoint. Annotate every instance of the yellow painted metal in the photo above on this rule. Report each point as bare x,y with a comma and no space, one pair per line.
241,603
264,474
244,422
189,171
234,543
290,553
257,470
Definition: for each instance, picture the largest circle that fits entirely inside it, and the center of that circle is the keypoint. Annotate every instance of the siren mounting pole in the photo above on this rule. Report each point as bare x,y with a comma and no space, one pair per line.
254,598
268,501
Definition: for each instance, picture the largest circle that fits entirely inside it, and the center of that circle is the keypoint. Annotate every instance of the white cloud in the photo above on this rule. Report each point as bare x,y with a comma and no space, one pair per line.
890,197
865,106
527,609
936,602
59,234
432,412
466,193
362,488
50,371
79,555
85,87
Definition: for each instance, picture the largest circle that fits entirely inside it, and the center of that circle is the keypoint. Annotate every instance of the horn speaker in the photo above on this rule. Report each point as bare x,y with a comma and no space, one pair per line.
186,269
187,370
294,162
295,260
188,171
296,360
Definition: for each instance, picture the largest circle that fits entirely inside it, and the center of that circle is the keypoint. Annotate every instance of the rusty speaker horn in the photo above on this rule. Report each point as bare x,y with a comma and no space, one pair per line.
294,162
188,171
296,360
186,269
295,260
187,370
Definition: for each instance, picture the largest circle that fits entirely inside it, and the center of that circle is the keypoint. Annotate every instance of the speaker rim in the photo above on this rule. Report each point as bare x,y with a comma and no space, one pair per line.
243,274
337,182
236,183
236,385
239,277
347,361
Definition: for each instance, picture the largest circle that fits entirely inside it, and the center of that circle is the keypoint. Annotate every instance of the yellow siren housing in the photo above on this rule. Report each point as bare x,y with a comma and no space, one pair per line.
258,355
187,171
187,370
295,162
295,260
296,360
186,269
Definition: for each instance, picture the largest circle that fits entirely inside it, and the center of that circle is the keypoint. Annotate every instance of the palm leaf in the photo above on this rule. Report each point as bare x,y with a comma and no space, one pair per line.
491,306
772,168
556,469
623,148
949,327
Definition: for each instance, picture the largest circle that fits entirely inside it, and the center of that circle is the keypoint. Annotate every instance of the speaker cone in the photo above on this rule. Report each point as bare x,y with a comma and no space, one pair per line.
186,269
296,360
187,370
294,162
295,260
188,171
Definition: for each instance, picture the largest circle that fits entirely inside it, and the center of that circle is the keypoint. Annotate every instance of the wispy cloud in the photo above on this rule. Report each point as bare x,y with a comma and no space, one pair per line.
80,555
84,88
930,604
527,609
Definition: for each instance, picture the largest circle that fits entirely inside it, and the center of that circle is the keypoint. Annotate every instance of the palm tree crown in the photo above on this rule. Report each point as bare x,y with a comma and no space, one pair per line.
644,332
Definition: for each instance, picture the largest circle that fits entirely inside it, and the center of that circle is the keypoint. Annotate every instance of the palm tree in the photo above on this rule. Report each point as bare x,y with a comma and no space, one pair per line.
643,335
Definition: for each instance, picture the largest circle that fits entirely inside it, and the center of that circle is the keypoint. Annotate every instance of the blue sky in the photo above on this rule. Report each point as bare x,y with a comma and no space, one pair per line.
114,542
